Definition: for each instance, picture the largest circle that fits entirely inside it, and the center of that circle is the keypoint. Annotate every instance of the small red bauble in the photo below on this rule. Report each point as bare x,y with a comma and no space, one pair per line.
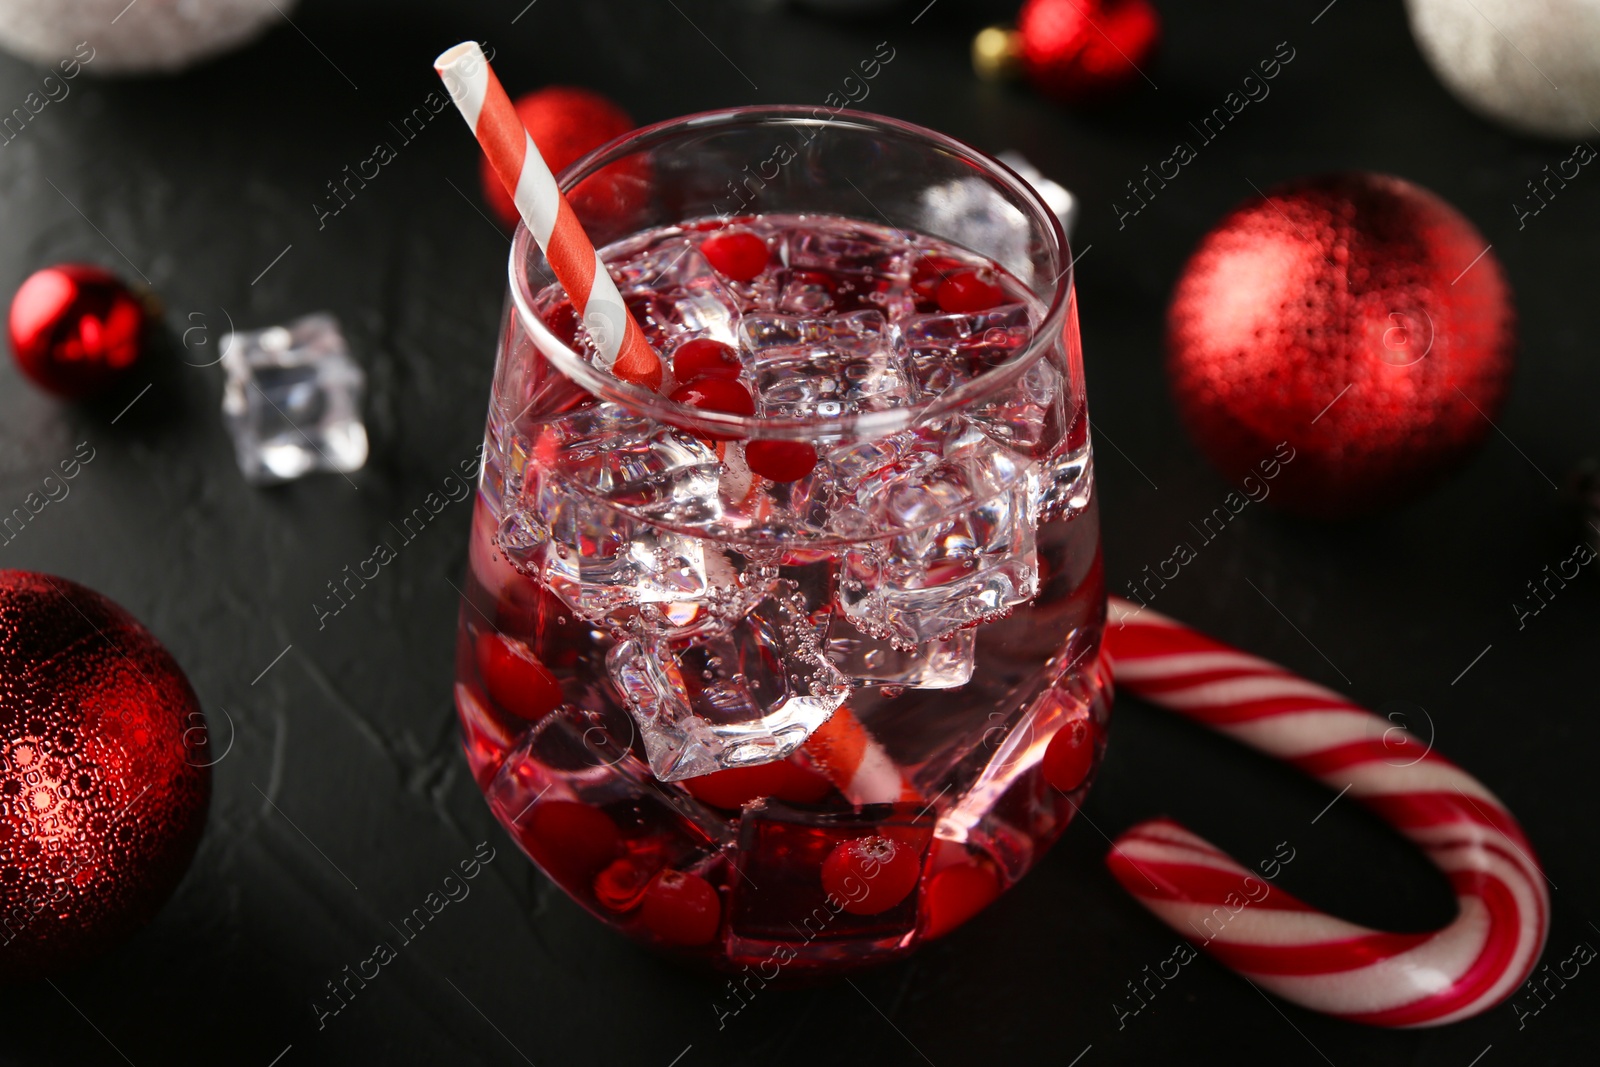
104,775
681,908
736,254
1074,50
76,329
514,677
870,874
566,123
1340,345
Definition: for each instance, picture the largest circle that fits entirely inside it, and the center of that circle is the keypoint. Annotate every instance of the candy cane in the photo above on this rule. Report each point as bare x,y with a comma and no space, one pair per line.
620,344
1281,943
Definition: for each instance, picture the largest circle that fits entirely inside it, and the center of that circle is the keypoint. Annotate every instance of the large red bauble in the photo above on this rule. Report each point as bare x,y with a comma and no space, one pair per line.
76,329
1357,318
566,123
1080,50
104,774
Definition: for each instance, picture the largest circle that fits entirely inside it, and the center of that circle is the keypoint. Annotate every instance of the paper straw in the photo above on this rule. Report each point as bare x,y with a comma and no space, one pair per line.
856,764
619,343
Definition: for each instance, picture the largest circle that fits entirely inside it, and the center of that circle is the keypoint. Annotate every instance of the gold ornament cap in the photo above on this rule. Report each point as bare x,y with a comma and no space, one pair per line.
997,53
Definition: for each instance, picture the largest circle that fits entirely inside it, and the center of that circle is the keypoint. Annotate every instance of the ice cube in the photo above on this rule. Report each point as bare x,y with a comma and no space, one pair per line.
811,292
673,289
824,500
1029,415
973,213
865,660
825,368
652,469
779,898
771,330
629,575
1057,197
858,459
990,337
743,696
673,263
292,401
946,351
589,521
600,562
938,577
844,251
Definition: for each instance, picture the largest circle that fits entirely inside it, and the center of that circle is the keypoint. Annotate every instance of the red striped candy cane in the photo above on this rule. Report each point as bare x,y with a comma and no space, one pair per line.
1281,943
619,343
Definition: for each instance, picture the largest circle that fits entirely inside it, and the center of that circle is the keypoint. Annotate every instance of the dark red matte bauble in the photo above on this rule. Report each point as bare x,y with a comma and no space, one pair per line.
76,329
566,123
1353,322
1080,50
104,775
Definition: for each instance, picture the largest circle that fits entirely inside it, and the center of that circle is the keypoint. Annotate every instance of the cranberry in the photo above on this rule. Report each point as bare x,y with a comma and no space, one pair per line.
622,883
781,461
737,254
1069,755
681,908
514,677
928,273
870,874
955,895
570,840
715,394
703,357
732,789
968,291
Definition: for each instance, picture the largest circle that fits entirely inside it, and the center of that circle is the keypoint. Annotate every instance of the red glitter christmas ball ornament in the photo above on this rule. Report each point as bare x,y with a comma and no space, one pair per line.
1075,51
76,329
566,123
1341,344
104,775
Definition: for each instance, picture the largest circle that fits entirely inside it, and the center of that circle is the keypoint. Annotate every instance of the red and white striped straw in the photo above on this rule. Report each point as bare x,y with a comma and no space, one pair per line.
851,758
1281,943
620,344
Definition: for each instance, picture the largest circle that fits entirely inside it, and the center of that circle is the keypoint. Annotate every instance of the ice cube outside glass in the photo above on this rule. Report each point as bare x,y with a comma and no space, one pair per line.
292,400
665,667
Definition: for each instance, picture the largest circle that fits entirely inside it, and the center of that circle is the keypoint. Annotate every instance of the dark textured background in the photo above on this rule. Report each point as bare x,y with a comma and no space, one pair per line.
198,182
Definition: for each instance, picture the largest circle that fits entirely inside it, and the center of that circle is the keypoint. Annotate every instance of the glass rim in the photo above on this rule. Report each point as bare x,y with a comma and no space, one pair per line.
866,424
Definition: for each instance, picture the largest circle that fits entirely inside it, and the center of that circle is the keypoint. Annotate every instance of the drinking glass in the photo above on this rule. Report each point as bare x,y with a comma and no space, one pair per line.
793,725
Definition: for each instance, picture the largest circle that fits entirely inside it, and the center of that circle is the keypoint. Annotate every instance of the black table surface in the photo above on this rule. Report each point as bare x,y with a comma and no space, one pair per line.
344,799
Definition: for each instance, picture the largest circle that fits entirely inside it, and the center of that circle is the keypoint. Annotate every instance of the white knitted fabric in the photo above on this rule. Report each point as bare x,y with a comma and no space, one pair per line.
1533,65
146,36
